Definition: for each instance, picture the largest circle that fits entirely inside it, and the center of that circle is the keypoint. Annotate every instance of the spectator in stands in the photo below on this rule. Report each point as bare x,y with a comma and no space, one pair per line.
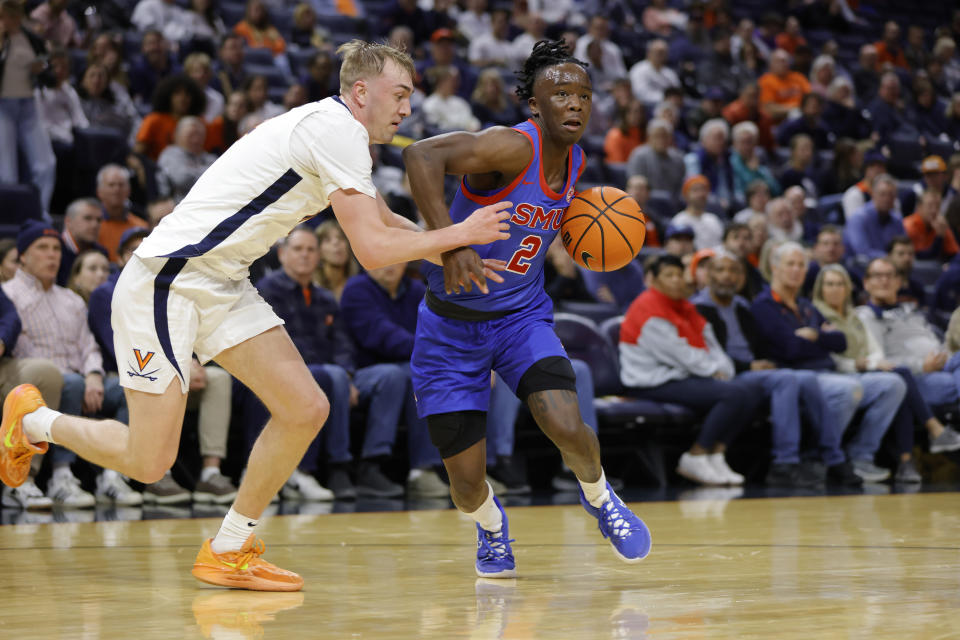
493,48
209,394
791,37
535,30
20,125
651,76
783,222
845,167
866,75
757,195
901,254
928,230
863,354
689,46
822,73
738,242
752,59
944,54
809,122
870,229
185,160
934,178
295,96
54,24
230,73
258,30
224,130
90,270
316,326
81,228
928,112
158,15
55,327
176,97
722,70
606,52
380,313
710,107
794,334
101,106
259,106
659,160
304,32
199,68
746,33
152,66
905,336
663,20
887,113
638,188
781,90
113,189
841,115
678,241
889,50
337,262
474,21
916,51
45,375
746,162
59,105
628,133
708,230
787,389
800,168
759,234
669,353
319,78
201,26
9,259
443,53
107,49
854,198
408,14
562,280
490,102
828,249
444,109
746,108
953,116
711,159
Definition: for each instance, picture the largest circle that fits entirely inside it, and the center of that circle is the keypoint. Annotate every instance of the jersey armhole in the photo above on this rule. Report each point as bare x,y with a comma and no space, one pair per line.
498,195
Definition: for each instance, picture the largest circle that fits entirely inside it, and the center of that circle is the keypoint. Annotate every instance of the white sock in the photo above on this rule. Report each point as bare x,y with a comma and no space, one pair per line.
208,472
37,424
596,492
488,516
233,532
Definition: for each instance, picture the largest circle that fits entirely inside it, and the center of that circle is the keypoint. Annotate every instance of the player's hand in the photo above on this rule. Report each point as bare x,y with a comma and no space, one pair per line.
462,268
198,376
92,393
490,268
487,224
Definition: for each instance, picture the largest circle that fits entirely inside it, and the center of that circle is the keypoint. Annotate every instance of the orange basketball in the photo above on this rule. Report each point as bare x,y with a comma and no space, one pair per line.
603,228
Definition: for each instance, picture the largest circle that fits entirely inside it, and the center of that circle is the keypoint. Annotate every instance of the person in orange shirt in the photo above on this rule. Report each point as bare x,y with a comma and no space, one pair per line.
929,231
258,31
747,107
113,189
790,38
627,134
889,50
781,90
175,97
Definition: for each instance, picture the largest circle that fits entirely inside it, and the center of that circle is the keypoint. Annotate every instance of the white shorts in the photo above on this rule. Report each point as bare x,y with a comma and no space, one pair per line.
166,310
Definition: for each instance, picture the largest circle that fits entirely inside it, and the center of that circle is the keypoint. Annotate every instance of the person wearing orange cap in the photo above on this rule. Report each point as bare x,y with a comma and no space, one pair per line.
935,178
707,228
443,53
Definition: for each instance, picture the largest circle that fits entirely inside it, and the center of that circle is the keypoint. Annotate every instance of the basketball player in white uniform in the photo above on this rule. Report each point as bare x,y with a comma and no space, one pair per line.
187,291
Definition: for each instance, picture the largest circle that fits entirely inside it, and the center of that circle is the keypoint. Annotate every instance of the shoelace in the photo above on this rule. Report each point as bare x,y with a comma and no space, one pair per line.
244,557
618,524
494,548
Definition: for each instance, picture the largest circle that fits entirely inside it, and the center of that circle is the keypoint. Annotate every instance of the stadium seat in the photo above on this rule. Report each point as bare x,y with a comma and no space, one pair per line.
275,77
19,203
94,147
625,284
927,272
595,311
257,57
231,12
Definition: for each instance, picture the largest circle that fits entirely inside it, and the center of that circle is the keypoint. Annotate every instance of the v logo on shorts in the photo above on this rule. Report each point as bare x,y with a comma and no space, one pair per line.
143,360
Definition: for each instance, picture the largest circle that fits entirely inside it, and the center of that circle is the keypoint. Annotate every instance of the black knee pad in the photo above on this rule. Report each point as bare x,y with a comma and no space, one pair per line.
457,431
548,374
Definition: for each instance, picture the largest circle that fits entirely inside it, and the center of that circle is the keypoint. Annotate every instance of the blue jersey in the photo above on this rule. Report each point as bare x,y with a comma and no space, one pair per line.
537,211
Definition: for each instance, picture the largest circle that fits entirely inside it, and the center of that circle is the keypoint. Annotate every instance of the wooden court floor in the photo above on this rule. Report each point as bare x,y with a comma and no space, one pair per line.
813,568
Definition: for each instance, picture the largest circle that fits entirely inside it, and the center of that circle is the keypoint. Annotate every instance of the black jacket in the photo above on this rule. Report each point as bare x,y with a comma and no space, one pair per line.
747,325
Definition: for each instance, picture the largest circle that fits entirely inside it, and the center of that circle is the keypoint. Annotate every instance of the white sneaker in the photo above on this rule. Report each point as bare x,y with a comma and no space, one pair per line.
698,469
26,496
305,486
719,464
112,488
65,491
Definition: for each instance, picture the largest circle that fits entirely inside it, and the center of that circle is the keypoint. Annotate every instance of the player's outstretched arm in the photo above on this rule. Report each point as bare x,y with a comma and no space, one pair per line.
377,245
499,154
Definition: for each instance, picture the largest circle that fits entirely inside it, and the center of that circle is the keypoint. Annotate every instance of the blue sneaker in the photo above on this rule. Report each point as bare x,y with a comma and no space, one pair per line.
494,555
625,531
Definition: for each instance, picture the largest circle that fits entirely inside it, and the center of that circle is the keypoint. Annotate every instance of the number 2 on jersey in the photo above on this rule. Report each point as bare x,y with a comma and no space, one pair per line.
529,247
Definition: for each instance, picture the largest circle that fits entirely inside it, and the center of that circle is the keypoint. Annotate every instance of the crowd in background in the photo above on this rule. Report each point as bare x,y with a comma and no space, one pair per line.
798,163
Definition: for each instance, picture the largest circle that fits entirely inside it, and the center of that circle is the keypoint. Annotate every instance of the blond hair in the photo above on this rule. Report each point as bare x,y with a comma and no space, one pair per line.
847,282
363,60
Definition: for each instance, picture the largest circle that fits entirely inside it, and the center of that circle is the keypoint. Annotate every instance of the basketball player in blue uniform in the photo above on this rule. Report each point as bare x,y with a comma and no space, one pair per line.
508,326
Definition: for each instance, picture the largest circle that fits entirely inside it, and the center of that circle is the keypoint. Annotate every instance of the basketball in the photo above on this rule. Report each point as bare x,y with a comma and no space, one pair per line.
603,228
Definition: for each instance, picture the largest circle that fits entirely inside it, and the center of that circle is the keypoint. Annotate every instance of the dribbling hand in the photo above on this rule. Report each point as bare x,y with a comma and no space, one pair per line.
487,224
463,268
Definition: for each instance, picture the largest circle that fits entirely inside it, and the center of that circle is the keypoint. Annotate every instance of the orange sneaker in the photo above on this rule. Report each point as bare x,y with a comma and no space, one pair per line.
243,569
15,449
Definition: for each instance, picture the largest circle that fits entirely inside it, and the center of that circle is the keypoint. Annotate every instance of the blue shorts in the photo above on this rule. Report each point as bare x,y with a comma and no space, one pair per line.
452,359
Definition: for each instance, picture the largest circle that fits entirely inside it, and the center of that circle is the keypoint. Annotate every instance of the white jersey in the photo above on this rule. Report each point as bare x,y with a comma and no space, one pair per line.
263,186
